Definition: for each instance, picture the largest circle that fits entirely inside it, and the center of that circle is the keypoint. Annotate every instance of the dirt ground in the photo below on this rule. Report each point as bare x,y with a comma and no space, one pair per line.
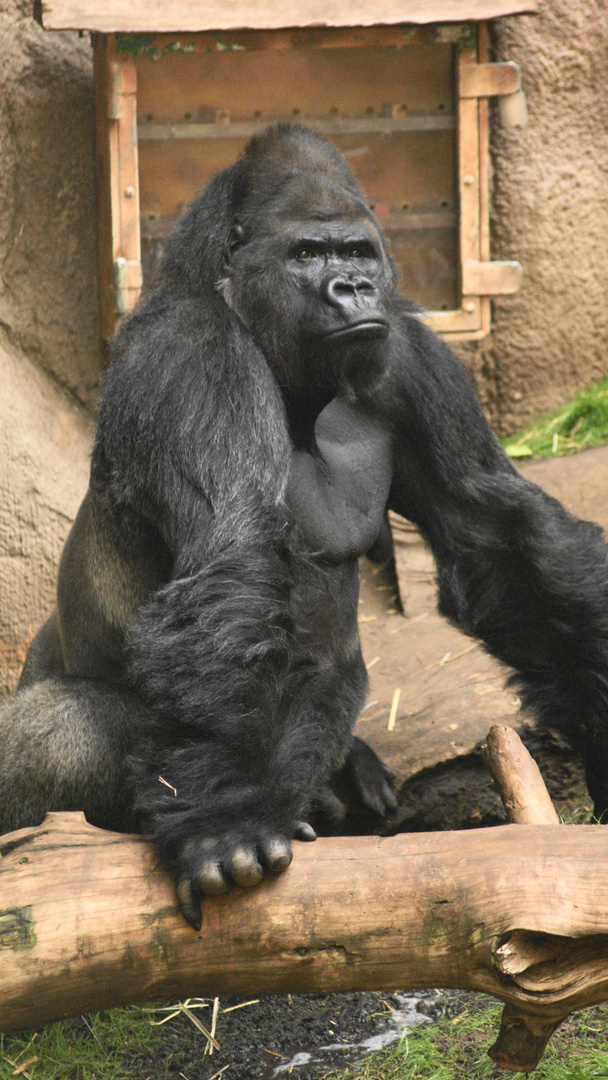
451,692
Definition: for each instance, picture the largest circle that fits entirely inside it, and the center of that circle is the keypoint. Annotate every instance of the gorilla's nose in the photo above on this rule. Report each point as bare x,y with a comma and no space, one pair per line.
351,293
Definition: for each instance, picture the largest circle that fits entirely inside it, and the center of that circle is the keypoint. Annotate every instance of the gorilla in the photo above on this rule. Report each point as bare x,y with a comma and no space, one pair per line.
270,398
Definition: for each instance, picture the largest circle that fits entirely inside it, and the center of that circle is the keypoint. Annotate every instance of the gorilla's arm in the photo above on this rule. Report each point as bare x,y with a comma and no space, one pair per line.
514,568
210,649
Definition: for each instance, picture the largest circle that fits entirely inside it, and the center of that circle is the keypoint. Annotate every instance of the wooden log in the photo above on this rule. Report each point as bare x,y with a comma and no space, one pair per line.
89,921
521,786
523,1036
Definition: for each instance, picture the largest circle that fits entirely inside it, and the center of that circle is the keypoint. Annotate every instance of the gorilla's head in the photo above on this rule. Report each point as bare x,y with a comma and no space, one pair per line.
286,237
306,267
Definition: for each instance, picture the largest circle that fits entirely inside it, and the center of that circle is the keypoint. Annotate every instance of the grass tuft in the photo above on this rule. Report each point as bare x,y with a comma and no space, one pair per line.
455,1048
577,426
86,1048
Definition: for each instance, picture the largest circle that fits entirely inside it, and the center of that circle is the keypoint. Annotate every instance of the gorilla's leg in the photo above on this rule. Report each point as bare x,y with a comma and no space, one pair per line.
63,744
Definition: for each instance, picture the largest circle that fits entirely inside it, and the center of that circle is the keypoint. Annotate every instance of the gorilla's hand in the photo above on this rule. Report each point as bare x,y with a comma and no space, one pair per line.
212,866
369,778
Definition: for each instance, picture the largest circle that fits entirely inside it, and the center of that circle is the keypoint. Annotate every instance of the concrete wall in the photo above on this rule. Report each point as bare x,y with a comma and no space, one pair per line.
550,211
51,360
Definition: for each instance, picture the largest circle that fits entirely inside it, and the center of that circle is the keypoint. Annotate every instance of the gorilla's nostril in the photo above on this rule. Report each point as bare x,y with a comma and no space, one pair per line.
341,291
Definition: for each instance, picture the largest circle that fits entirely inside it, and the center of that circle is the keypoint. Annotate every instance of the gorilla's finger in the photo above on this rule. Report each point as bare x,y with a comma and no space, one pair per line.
304,831
244,868
389,774
210,879
330,805
389,797
277,854
372,799
189,904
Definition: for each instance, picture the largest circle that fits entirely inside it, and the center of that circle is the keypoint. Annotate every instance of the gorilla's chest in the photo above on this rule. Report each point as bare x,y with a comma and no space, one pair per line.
337,492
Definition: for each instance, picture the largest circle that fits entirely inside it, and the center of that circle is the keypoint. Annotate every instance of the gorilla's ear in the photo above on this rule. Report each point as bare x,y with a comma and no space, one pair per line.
235,239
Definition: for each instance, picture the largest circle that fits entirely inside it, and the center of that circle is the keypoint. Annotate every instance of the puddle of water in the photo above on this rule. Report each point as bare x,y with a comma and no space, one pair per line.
405,1016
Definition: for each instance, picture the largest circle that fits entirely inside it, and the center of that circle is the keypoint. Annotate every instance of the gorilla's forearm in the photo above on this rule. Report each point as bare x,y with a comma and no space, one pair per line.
514,568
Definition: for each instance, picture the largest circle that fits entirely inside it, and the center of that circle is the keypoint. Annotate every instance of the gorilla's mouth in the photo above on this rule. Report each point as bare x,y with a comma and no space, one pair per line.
366,330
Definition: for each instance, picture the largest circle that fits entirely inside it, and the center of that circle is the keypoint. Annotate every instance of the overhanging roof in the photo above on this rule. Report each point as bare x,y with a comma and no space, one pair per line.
182,16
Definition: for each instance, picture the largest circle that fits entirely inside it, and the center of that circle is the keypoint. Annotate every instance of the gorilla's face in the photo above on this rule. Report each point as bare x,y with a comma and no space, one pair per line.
310,279
336,268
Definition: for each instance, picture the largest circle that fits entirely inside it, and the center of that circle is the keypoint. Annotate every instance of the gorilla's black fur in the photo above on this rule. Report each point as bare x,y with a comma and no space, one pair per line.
270,397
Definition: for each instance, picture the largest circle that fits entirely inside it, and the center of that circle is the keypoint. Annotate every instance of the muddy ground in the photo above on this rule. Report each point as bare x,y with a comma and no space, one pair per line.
451,691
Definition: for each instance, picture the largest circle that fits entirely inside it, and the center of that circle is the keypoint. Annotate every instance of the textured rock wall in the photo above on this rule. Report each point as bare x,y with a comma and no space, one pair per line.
51,360
550,211
48,235
44,449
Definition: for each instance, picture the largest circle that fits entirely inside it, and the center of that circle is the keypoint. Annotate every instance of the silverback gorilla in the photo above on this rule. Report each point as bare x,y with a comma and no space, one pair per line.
269,398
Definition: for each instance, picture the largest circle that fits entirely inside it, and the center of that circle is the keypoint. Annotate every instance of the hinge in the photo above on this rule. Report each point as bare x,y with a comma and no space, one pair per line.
127,279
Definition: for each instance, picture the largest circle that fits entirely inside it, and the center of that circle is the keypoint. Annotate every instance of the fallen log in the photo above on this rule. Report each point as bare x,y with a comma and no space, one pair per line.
89,921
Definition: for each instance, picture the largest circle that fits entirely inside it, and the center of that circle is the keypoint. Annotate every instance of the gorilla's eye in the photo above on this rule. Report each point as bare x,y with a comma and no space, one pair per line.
304,253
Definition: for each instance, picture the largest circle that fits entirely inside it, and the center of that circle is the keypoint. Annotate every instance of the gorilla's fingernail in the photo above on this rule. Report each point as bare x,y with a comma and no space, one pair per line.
304,831
211,881
278,855
189,905
245,869
389,798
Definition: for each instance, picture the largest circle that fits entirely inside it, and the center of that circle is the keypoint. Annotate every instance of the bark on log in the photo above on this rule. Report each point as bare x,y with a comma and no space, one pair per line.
89,921
522,1037
521,786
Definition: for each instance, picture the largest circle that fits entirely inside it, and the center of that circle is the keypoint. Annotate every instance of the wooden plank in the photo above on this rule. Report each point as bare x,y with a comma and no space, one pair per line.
466,320
335,85
155,46
468,169
117,181
487,80
428,266
246,129
102,56
484,151
484,178
411,172
178,15
490,278
469,183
